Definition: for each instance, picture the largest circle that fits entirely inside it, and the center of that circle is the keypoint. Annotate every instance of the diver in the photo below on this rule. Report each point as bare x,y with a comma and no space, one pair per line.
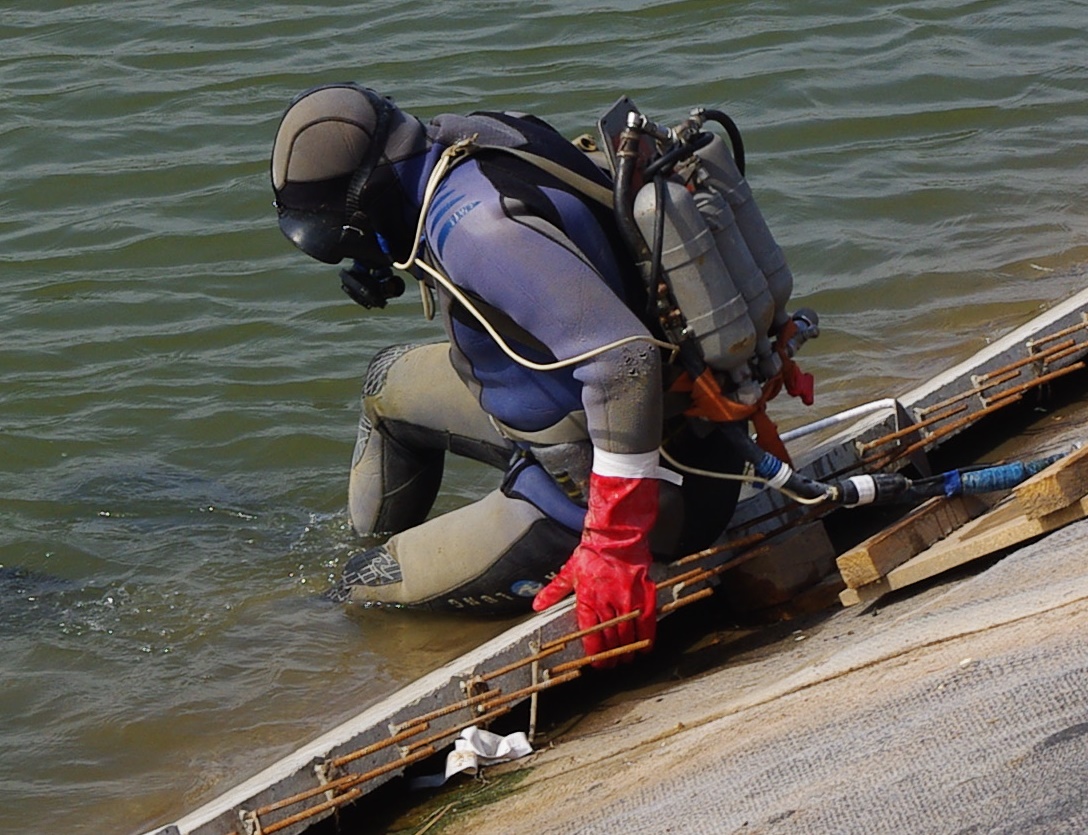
550,369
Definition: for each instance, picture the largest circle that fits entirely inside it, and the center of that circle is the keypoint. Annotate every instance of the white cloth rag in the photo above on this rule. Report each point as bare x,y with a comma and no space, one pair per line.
474,748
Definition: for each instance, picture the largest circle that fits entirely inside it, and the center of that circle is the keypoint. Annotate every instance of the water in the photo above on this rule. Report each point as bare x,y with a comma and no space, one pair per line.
178,388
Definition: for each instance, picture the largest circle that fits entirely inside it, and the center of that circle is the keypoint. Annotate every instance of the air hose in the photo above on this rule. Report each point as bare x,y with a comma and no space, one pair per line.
731,130
881,488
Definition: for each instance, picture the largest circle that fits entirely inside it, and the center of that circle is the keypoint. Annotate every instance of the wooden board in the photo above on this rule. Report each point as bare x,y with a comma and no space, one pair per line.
1058,486
893,558
1005,527
937,518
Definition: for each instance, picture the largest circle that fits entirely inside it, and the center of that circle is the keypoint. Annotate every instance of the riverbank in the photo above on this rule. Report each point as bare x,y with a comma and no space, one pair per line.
954,705
956,708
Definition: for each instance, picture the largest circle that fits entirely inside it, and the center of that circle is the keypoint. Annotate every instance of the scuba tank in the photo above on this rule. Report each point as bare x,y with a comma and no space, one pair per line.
720,284
716,313
725,180
720,281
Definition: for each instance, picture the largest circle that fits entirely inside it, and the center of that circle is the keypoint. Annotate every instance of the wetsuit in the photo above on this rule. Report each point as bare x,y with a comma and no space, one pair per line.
544,265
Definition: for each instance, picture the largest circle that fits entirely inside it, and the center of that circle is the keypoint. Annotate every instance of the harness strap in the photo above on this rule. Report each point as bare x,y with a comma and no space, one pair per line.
595,191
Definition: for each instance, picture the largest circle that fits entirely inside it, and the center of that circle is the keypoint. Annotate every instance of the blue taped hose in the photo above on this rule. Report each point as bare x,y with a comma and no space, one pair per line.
767,467
992,479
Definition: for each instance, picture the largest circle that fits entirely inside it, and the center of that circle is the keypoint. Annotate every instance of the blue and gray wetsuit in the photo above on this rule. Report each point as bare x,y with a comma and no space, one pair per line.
544,265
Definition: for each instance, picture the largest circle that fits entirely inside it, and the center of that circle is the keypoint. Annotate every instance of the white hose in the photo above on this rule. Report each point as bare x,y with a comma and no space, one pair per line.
748,479
889,403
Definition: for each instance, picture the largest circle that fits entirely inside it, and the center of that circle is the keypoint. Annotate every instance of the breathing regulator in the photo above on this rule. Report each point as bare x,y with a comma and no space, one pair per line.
371,286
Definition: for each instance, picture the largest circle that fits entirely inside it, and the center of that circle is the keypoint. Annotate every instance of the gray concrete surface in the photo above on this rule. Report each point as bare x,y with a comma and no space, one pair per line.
960,707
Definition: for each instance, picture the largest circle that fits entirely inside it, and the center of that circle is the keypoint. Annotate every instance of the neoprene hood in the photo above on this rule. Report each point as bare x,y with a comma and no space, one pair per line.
330,166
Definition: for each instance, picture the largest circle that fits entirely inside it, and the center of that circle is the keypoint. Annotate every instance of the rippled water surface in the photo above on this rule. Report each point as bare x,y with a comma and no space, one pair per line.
178,387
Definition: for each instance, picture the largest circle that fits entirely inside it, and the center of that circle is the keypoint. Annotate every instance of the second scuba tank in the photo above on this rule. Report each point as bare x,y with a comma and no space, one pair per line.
725,177
715,310
744,272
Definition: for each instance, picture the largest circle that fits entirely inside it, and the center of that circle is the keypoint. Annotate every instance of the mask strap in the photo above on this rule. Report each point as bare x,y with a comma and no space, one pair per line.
373,155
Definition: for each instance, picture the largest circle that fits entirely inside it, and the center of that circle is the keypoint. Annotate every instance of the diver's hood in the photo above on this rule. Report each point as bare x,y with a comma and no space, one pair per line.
332,171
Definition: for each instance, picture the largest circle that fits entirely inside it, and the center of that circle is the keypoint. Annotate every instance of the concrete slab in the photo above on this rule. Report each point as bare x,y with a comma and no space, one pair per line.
962,707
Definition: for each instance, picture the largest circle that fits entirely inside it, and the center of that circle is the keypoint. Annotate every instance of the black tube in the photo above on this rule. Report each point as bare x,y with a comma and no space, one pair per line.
623,201
731,128
659,233
769,467
665,162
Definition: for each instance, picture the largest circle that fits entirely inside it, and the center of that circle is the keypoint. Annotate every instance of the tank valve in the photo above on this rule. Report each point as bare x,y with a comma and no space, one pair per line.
808,327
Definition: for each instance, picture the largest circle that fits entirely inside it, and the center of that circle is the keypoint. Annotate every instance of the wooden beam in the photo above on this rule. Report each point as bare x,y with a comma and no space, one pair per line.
1058,486
872,559
1005,527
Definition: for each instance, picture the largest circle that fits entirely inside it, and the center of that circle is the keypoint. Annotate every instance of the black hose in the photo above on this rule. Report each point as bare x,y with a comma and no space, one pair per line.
623,201
881,488
768,467
665,162
733,131
659,234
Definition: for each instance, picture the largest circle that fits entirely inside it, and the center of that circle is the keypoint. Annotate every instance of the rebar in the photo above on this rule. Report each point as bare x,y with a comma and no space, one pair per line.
563,640
586,660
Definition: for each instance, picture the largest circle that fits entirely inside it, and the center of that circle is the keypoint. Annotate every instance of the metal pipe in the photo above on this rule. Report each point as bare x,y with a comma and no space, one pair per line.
840,418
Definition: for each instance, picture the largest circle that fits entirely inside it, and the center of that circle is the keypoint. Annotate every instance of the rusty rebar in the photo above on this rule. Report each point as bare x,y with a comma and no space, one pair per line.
681,579
733,544
438,713
1032,357
534,688
563,640
1060,355
907,430
348,782
586,660
430,740
673,605
1038,381
940,433
1031,343
529,659
344,759
1043,355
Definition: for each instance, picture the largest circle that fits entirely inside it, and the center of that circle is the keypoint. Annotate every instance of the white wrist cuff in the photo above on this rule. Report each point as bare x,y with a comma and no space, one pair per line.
632,465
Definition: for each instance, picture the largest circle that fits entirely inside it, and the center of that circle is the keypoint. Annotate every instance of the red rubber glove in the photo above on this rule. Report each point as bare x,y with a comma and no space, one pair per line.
608,571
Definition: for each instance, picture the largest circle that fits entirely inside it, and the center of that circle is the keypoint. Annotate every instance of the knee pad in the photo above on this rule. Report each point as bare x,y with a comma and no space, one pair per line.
378,369
377,372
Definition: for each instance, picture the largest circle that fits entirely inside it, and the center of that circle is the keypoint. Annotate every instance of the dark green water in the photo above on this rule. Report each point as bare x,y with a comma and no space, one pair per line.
178,387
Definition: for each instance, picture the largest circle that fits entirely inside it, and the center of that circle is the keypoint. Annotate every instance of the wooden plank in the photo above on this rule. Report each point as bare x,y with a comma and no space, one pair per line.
1003,528
1035,508
1058,486
852,597
937,518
